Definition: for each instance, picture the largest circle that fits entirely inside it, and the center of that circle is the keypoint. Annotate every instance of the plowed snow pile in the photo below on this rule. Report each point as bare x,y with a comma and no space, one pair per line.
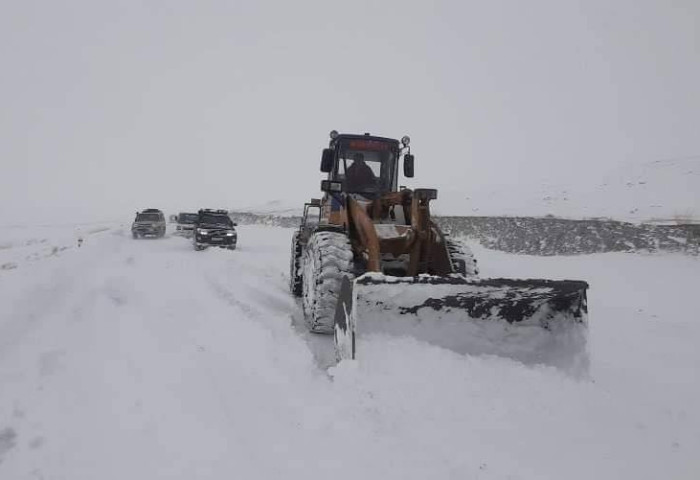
127,359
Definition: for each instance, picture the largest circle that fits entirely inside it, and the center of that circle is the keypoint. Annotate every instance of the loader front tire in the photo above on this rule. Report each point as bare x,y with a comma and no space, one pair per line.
328,258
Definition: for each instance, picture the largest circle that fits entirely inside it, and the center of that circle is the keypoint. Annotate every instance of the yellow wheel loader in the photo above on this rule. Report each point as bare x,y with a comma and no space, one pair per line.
373,261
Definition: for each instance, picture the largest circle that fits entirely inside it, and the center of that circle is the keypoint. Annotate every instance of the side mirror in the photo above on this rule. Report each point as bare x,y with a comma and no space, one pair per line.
235,224
329,186
408,166
327,160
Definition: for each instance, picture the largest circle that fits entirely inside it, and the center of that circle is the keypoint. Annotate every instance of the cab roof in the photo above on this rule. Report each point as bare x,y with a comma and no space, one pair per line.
366,136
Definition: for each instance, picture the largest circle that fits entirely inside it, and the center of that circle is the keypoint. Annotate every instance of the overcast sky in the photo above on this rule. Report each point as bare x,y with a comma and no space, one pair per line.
112,106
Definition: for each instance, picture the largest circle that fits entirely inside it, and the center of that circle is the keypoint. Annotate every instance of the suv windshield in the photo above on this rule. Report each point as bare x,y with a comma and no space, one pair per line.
147,217
215,219
187,218
366,166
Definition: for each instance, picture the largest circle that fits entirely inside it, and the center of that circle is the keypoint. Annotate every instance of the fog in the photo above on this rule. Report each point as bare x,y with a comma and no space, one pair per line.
110,107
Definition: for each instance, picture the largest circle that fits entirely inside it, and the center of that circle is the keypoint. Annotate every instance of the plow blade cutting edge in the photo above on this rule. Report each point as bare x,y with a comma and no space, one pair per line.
532,321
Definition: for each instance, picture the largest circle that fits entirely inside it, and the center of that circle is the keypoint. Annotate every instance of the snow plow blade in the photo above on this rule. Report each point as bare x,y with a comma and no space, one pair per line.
532,321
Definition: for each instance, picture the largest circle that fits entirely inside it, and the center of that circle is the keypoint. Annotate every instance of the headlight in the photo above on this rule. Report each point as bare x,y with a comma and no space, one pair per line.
202,232
231,234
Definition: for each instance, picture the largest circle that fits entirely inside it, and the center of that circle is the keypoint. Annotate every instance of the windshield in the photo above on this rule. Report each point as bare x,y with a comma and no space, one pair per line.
147,217
366,166
215,219
313,214
187,218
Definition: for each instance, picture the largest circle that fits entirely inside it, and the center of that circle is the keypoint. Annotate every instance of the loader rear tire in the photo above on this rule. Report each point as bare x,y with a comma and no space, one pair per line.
328,258
295,277
462,258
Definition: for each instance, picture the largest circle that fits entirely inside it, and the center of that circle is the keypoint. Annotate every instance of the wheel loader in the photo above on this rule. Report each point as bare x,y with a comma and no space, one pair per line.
373,261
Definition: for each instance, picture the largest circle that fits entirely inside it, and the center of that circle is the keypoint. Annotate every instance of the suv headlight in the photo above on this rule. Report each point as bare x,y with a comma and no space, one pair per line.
201,231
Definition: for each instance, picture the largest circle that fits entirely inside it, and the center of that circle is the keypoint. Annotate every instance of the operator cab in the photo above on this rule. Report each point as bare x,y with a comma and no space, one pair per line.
364,164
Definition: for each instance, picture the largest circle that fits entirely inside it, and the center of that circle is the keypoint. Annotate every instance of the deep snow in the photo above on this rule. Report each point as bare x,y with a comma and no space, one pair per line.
144,359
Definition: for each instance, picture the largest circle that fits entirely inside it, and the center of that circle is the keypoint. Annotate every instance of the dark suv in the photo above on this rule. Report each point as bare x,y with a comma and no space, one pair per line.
214,228
148,222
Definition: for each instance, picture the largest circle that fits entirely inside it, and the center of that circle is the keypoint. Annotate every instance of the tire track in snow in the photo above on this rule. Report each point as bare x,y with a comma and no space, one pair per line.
278,302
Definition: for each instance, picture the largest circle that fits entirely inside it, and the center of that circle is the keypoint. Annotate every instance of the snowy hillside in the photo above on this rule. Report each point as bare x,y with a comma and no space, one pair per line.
279,208
661,190
664,191
545,236
145,359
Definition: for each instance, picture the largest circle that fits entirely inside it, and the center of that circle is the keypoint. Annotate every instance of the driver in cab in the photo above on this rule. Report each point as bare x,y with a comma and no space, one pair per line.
359,175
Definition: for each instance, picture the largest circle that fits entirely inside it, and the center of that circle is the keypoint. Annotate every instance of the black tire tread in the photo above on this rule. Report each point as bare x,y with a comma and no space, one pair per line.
462,258
329,256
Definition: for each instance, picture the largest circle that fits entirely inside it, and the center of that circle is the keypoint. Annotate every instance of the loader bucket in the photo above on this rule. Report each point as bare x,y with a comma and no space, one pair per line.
532,321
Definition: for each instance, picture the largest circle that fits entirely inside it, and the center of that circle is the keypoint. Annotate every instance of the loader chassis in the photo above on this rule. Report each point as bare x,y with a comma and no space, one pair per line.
369,225
372,236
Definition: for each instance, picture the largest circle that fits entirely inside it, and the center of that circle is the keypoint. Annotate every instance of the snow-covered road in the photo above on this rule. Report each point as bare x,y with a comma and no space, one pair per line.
144,359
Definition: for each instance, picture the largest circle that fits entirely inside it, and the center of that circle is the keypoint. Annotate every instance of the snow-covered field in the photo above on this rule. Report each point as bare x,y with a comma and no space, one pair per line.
126,359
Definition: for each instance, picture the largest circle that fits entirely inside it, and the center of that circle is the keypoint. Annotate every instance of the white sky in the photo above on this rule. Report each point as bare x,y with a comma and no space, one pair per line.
111,106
